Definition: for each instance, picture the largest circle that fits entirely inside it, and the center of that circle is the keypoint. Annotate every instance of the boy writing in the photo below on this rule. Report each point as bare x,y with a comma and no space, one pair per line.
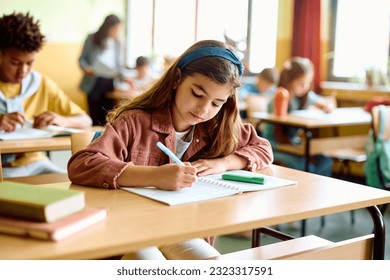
26,94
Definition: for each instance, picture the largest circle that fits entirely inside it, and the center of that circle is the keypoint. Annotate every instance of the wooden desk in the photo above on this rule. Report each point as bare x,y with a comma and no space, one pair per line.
136,222
340,117
35,145
353,93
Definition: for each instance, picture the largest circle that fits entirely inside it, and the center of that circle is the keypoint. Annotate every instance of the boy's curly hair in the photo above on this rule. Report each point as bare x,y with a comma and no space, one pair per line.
21,32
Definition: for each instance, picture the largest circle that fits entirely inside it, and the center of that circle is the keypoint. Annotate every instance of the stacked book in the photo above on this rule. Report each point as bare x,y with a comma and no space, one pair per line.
44,212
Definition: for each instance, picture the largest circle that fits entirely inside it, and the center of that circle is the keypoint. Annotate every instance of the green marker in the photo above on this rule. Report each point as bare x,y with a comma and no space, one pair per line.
241,178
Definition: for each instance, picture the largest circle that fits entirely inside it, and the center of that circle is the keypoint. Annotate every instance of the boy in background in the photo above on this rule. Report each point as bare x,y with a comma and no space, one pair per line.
27,95
255,96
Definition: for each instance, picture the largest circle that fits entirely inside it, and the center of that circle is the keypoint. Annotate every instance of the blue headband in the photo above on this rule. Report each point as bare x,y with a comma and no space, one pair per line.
211,51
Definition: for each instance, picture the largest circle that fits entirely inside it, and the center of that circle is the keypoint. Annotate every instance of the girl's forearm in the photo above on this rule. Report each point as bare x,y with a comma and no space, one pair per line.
234,161
137,176
166,177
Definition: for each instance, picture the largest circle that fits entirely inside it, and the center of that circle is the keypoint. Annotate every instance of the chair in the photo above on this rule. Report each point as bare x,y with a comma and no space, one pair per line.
81,140
256,103
354,153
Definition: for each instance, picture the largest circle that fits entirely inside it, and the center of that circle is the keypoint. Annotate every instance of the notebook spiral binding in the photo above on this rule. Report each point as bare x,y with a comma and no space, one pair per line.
218,183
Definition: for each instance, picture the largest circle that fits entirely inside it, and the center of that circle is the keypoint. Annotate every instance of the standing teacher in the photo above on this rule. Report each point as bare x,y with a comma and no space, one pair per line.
101,62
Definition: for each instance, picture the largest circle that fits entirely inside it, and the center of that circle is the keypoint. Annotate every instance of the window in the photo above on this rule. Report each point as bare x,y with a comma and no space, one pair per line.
360,34
159,28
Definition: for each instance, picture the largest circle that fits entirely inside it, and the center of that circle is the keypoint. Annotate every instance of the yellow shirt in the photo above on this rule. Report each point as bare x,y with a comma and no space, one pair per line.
49,97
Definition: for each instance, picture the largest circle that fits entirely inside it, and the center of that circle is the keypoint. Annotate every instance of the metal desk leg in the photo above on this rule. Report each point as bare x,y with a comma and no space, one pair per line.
308,135
379,233
303,227
255,238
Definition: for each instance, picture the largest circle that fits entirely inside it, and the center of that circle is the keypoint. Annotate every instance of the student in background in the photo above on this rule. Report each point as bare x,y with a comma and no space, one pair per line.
101,63
192,109
26,94
265,83
142,77
256,95
297,77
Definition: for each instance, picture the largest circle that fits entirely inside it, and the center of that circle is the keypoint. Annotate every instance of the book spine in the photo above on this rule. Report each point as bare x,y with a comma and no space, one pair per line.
28,211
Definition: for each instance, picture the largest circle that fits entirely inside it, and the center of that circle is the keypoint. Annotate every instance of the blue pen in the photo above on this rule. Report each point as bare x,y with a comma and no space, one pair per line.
169,153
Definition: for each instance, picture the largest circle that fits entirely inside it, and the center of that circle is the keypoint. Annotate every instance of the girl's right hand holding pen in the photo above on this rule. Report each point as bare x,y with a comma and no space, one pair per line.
165,177
174,177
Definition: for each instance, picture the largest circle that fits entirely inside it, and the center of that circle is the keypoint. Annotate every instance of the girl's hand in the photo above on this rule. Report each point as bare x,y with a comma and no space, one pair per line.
8,122
209,166
48,118
174,177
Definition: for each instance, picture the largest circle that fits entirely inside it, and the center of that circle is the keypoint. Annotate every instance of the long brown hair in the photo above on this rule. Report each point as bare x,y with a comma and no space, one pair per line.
100,36
293,69
225,126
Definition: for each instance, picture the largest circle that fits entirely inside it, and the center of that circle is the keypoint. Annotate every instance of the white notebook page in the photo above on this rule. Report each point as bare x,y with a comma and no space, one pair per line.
204,190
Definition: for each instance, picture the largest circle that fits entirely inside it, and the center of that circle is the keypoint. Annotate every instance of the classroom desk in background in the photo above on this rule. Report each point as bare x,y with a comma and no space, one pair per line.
353,94
35,145
311,121
135,222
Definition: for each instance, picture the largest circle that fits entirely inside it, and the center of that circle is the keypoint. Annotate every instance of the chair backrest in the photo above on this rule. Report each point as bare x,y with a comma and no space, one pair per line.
81,140
256,103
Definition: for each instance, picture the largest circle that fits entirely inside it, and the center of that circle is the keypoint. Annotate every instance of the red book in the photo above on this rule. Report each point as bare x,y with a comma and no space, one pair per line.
55,230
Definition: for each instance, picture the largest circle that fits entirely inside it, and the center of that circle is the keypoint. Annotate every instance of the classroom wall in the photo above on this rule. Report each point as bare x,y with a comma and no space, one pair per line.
285,27
285,30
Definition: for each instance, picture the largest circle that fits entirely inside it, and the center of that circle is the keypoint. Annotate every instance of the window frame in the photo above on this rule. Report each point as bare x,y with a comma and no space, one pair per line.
247,52
332,43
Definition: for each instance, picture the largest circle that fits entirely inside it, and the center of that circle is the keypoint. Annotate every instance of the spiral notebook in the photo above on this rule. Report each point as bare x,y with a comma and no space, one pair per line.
210,187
